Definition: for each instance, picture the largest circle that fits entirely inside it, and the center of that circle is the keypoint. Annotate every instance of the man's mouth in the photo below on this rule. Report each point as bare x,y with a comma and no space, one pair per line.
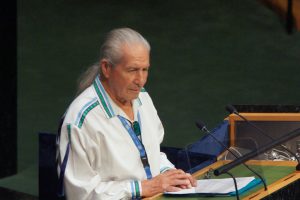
135,90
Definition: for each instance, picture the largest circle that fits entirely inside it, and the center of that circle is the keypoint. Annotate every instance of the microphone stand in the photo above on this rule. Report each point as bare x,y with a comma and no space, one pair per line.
188,156
202,127
235,185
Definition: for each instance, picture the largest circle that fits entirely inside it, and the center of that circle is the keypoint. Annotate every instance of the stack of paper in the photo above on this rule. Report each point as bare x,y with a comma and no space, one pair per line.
223,186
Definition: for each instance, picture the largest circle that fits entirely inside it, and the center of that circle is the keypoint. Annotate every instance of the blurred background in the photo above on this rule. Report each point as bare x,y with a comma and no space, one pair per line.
205,54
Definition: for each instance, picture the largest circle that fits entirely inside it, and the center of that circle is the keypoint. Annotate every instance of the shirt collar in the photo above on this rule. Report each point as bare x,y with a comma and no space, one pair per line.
110,107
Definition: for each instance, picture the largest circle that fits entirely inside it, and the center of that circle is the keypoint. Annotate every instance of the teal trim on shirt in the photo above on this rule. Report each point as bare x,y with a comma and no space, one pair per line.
105,100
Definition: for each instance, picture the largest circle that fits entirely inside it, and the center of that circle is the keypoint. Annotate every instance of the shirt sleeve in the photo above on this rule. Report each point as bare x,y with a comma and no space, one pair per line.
81,181
165,164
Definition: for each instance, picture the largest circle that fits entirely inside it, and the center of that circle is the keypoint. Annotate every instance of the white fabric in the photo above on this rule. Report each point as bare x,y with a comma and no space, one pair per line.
103,160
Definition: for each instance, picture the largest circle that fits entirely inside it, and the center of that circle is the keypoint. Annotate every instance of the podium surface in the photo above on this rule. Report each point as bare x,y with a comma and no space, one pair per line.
277,174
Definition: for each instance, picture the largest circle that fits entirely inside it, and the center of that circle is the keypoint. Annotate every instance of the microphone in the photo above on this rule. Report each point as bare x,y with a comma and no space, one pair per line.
252,154
231,109
202,127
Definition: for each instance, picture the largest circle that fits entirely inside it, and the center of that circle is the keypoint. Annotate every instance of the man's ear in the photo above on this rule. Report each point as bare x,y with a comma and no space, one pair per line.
105,68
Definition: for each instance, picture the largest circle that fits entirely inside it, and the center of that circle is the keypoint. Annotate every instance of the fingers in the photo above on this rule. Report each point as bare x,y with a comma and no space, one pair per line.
192,180
170,181
173,189
182,182
180,179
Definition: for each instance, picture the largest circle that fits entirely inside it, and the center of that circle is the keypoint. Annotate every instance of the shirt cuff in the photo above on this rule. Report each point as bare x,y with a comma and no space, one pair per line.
164,169
136,189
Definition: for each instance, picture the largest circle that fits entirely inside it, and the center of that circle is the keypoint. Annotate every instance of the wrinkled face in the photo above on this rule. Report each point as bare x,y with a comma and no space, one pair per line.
126,79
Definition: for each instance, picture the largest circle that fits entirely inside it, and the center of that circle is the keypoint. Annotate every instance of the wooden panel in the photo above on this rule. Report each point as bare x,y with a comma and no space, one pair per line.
258,117
280,7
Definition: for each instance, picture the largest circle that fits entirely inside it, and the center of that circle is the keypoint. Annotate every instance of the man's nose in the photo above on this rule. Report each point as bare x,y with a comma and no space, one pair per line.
140,78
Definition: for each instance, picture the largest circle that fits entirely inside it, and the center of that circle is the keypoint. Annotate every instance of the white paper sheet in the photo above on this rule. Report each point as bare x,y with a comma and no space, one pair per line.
216,186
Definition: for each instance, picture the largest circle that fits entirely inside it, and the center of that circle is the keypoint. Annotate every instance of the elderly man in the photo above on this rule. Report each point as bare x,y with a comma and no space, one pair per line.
110,139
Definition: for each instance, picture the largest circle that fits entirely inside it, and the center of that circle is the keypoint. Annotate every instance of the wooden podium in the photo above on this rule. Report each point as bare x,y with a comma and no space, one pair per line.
279,175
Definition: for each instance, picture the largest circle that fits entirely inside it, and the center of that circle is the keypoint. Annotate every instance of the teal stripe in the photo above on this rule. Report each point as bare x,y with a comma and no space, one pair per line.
137,189
69,132
164,169
83,108
103,92
102,100
86,112
139,101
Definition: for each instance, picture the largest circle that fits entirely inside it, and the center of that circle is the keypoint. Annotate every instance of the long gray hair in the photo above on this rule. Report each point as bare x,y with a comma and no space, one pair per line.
111,50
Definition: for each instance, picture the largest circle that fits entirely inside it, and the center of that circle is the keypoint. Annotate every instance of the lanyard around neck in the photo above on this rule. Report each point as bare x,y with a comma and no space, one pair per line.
138,144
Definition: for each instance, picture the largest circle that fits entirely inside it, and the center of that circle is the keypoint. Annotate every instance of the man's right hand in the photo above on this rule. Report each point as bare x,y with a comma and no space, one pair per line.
170,181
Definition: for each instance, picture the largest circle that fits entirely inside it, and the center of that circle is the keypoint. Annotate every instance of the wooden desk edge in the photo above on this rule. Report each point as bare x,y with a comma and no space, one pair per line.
274,186
261,193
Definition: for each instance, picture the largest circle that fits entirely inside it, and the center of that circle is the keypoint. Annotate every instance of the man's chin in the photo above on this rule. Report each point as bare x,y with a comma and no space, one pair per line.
134,96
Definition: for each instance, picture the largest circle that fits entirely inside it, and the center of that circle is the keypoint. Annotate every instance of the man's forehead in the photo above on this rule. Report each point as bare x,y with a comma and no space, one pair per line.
136,54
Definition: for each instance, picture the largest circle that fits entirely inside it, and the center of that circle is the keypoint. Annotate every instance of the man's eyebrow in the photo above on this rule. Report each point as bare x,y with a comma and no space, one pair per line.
136,67
132,67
